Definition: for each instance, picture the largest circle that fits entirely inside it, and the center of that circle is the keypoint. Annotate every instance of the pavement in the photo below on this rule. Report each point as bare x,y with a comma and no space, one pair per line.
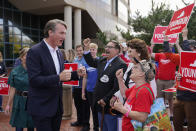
65,124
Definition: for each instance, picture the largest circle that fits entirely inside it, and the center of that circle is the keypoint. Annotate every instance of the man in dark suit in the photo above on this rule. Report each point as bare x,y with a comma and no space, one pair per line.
107,83
46,73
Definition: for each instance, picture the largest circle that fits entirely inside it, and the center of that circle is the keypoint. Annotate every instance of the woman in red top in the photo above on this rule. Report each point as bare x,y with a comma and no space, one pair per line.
139,99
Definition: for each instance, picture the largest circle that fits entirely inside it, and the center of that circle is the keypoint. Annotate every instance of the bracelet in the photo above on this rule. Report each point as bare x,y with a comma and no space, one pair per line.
127,113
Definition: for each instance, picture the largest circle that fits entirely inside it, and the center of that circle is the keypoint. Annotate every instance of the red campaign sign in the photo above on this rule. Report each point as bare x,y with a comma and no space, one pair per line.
72,67
4,87
179,20
158,35
188,71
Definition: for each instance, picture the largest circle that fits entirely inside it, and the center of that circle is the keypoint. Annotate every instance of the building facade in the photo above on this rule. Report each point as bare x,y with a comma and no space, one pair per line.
22,21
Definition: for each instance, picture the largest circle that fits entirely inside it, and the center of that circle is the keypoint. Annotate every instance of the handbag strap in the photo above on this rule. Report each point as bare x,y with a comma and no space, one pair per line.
147,89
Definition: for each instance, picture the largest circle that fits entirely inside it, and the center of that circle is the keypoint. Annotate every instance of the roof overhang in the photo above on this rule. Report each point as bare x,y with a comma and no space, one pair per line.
39,7
45,7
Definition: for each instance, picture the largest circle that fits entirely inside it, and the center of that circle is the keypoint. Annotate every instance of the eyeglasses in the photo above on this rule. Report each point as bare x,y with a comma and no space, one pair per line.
109,47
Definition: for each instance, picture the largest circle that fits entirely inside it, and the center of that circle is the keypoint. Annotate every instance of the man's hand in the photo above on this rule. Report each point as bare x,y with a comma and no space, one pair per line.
86,43
65,75
81,71
83,95
101,103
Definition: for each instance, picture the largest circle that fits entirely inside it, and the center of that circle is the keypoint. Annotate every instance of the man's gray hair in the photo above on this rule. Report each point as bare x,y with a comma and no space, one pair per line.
51,25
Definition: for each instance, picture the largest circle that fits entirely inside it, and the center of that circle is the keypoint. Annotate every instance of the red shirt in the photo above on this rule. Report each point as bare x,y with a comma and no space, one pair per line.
142,103
166,69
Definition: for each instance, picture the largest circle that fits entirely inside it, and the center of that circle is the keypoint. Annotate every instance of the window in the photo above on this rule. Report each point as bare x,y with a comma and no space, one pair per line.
122,11
17,29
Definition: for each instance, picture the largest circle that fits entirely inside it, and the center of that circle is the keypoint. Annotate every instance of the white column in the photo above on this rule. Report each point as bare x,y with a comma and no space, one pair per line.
77,27
68,20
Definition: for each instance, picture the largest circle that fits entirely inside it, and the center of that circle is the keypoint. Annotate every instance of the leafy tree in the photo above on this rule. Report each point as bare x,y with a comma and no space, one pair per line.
105,37
145,25
102,37
191,25
126,35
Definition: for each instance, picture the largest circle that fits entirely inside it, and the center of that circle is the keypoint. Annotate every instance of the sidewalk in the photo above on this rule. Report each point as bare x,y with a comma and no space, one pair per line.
65,124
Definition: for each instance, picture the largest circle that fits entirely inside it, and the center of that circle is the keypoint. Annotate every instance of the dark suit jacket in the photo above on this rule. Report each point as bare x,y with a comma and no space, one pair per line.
105,90
45,91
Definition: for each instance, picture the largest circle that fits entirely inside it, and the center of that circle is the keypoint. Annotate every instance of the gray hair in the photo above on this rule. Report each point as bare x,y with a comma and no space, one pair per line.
147,67
51,24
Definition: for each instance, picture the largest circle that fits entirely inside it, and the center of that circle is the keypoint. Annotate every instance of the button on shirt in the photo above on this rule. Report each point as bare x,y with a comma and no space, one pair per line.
53,53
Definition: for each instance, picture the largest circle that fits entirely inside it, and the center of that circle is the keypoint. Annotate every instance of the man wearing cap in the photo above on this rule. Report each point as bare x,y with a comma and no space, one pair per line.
185,103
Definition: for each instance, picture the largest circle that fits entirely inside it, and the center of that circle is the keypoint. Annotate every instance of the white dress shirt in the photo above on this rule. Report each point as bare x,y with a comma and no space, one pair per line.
53,53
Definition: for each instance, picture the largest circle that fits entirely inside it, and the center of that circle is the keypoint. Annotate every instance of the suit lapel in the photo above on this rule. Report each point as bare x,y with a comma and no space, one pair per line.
48,57
102,67
111,64
61,62
108,67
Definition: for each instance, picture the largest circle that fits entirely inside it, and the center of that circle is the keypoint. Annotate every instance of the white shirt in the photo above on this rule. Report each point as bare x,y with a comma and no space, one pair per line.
53,53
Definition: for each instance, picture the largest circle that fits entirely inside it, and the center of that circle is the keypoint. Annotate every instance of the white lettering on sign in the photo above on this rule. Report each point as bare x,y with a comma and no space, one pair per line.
179,22
3,85
191,81
188,72
160,36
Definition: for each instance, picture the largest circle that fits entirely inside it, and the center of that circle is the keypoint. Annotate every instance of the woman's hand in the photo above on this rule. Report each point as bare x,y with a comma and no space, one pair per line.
7,110
118,105
119,74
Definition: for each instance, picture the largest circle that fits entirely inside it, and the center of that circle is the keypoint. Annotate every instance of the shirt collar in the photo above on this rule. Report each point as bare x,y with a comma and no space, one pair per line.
77,58
51,49
109,61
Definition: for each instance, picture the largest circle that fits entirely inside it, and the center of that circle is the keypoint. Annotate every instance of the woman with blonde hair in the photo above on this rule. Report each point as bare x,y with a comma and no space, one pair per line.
18,81
70,55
